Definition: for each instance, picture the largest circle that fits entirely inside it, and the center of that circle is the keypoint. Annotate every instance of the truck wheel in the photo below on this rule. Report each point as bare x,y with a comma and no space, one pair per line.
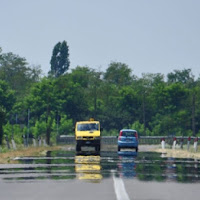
118,148
78,148
97,148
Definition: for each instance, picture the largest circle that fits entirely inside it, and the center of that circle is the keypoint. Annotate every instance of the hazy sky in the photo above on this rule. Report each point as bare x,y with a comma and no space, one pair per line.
150,36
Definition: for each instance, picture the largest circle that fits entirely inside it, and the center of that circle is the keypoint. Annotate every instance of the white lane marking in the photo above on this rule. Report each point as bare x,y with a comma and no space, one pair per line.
120,190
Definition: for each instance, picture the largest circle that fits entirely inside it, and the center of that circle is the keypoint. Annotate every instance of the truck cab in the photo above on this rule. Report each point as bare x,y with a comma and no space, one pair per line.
88,133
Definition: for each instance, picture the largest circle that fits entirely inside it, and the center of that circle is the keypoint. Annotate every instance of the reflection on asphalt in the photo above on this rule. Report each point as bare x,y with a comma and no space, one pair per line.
88,167
92,167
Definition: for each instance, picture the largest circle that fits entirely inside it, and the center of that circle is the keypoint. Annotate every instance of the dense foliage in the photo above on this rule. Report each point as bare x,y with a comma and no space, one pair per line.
152,104
60,59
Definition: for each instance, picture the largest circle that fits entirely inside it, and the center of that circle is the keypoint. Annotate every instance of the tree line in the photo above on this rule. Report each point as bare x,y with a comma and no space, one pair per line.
152,104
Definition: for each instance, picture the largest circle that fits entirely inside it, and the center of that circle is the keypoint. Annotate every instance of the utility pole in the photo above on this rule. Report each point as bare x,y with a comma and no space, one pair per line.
28,126
12,122
193,114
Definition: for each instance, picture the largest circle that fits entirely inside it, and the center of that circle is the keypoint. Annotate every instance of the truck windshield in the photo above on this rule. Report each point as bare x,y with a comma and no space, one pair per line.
88,127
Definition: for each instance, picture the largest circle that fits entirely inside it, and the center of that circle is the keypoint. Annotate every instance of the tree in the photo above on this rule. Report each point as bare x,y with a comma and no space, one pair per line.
90,80
60,59
7,100
170,105
0,53
195,107
16,72
118,74
187,79
73,95
81,75
182,76
128,106
144,87
43,103
110,115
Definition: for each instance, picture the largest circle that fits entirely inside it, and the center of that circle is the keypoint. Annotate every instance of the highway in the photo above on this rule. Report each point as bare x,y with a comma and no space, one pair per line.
108,175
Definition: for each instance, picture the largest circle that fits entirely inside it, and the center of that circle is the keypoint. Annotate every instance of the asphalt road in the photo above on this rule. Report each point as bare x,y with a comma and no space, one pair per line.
49,190
112,176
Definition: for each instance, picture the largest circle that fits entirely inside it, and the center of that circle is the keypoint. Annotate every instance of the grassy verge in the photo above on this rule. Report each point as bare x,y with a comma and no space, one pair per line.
7,157
179,153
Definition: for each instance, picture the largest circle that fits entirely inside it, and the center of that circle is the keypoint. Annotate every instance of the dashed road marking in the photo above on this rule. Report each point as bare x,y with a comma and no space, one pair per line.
120,189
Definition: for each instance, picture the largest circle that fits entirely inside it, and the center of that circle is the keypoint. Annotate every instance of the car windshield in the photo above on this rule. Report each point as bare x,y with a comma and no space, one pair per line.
129,133
88,127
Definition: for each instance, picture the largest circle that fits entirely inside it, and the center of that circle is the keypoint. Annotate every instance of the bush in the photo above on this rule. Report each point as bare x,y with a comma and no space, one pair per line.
140,128
14,130
112,132
39,130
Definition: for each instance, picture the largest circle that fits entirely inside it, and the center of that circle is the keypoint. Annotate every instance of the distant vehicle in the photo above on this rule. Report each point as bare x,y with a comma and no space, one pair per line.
128,138
88,133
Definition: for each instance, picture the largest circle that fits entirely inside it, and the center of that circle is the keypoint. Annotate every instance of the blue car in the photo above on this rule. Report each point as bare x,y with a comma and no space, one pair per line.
128,138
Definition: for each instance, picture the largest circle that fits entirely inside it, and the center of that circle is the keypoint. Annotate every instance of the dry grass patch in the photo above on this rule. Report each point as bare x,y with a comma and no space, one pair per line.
7,157
179,153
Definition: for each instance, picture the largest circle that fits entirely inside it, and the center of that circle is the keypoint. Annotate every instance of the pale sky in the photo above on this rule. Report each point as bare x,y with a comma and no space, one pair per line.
150,36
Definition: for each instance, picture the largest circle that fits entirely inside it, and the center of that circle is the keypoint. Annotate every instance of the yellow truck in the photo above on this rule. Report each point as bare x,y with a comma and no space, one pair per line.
88,133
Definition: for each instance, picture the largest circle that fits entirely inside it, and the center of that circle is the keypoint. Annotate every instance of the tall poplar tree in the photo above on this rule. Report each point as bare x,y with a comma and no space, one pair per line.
60,59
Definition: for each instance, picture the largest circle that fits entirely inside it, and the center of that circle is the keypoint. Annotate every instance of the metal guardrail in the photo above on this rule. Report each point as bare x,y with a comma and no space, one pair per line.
66,139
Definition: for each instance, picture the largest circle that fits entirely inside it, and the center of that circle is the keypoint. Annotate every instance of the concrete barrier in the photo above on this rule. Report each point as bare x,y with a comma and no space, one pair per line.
13,144
188,143
44,143
174,143
163,143
39,141
196,144
34,142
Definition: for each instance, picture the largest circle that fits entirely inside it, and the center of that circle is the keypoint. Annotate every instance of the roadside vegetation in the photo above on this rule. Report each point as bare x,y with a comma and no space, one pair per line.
37,105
